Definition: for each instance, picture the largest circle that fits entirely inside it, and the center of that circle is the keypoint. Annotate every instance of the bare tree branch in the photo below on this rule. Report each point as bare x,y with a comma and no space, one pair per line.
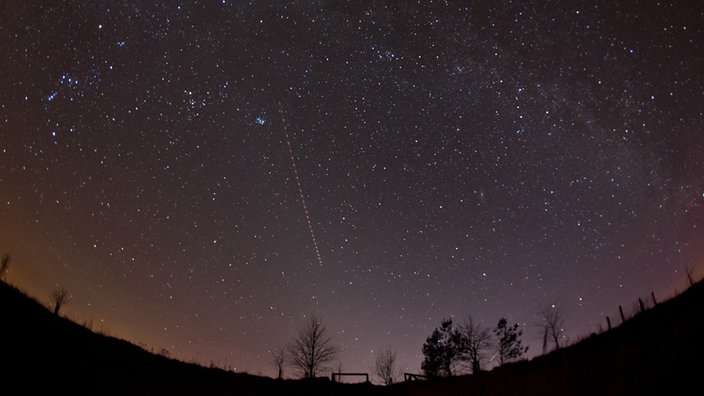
279,358
553,324
385,366
477,341
312,349
4,264
690,274
60,297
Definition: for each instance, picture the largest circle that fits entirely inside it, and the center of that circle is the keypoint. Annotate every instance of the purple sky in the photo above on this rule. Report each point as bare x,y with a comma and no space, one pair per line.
203,176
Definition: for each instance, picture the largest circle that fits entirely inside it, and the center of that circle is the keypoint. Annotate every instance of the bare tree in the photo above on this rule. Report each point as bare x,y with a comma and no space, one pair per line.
385,366
689,271
553,323
477,341
312,349
60,297
4,264
279,358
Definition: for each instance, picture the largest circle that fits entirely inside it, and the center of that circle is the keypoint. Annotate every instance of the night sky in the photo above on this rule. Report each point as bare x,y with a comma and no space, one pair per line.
203,176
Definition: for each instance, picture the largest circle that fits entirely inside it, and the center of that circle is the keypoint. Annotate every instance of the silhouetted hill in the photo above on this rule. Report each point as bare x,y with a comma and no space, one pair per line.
43,353
657,352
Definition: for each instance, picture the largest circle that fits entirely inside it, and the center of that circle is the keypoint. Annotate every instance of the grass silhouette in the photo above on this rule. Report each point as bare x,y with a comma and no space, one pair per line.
657,351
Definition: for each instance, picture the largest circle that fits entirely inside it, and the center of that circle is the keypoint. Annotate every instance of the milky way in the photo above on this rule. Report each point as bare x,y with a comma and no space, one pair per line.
440,158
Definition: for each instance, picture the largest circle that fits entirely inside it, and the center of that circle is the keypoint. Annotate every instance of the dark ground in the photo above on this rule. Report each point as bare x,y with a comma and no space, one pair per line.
658,352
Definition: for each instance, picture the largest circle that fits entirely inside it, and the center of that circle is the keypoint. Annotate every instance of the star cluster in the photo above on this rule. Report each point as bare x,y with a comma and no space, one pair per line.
204,175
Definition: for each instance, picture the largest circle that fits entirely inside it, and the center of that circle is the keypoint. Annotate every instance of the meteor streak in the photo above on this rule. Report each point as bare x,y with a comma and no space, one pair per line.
300,189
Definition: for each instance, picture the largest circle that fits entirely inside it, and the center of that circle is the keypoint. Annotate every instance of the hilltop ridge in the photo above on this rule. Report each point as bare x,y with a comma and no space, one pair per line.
658,351
45,353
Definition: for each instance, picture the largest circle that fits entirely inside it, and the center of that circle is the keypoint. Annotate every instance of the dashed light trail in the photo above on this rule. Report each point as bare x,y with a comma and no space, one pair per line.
300,189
